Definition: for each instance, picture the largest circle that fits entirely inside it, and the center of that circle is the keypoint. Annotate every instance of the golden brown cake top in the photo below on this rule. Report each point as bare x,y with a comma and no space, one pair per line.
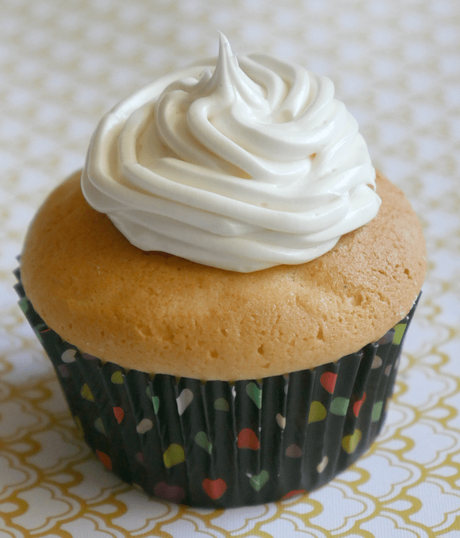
162,314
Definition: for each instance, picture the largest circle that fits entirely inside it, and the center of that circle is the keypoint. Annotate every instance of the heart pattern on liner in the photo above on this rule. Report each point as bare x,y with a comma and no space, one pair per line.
214,488
174,494
68,355
144,426
281,421
322,465
184,400
248,439
226,444
328,381
259,481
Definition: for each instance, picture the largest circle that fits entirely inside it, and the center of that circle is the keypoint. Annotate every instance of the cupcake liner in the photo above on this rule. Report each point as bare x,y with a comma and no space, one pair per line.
226,444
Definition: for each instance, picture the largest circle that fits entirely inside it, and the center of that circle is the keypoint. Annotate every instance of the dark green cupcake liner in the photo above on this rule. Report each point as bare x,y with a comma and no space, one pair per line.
222,444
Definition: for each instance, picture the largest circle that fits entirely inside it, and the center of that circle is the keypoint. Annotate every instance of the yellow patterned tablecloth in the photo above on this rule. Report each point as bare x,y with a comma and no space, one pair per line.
396,64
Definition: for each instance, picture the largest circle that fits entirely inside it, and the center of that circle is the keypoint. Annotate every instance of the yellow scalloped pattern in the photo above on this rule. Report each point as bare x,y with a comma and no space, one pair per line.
396,65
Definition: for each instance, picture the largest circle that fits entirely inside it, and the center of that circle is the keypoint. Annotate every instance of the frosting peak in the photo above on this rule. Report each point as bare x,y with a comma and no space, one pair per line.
242,164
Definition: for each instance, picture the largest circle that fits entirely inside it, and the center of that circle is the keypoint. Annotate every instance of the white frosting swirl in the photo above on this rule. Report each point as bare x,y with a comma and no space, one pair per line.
241,164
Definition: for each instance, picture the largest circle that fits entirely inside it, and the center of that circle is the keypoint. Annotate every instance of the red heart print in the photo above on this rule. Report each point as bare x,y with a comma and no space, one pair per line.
357,405
119,414
105,460
293,493
214,488
328,380
248,439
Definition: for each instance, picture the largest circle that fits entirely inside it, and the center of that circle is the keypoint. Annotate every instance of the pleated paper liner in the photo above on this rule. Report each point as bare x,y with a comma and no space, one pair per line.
222,444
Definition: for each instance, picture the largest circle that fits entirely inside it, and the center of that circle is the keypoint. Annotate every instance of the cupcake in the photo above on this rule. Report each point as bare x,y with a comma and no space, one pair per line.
225,288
